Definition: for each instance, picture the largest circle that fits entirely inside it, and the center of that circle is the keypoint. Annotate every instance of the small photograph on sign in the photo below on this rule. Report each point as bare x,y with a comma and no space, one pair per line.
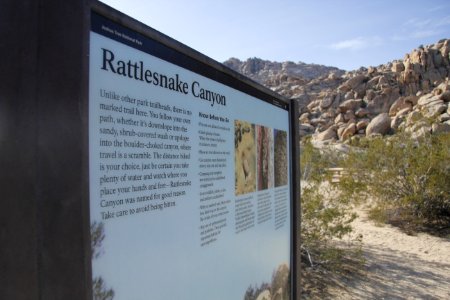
277,288
281,159
264,165
244,157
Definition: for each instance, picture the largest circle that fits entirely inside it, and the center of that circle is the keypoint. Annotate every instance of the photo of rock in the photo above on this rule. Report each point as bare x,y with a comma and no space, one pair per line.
280,156
264,148
244,157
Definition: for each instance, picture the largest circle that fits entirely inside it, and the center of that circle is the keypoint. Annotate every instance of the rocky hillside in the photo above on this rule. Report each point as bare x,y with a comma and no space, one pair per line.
274,74
411,94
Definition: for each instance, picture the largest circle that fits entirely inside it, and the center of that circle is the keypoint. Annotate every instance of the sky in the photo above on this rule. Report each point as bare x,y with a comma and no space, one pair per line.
347,34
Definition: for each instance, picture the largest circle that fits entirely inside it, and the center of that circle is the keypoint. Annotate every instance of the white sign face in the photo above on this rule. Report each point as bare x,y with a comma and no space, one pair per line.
189,179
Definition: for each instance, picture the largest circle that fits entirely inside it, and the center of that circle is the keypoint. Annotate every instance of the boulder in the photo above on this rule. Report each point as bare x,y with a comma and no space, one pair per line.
403,112
440,128
382,81
398,105
437,59
360,91
313,104
443,87
317,121
379,125
397,67
445,96
412,99
356,81
329,114
327,101
353,83
344,88
371,70
306,129
304,118
341,129
333,76
339,119
361,112
370,94
349,95
413,117
418,125
437,91
444,117
429,99
351,104
349,115
349,131
432,111
327,134
362,124
383,102
409,76
410,89
337,99
397,121
373,82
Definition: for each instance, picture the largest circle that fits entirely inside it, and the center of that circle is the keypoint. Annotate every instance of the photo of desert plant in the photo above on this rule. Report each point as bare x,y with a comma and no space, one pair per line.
280,164
264,165
244,157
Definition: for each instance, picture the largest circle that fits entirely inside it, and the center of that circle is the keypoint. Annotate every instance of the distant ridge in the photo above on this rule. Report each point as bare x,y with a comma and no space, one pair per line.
264,71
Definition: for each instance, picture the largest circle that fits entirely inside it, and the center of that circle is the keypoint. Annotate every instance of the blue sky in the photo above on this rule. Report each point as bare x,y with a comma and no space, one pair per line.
347,33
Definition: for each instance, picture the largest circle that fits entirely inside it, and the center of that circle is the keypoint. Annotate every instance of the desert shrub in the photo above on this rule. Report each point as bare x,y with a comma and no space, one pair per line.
314,162
407,178
325,219
326,216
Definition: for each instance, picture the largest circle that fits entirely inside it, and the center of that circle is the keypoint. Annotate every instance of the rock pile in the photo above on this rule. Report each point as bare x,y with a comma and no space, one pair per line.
412,95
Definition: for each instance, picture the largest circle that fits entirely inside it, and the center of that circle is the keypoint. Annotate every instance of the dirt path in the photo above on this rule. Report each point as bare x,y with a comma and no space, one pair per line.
397,266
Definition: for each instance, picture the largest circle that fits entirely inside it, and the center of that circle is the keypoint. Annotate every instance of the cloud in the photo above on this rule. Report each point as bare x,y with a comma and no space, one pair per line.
356,44
417,23
437,8
418,29
444,22
424,34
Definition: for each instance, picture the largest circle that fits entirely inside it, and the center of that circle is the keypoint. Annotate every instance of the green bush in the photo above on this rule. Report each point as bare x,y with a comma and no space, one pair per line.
325,219
314,162
326,216
407,178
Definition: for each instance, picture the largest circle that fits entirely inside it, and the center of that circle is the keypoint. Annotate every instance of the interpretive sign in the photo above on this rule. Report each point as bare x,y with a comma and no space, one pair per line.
134,167
190,190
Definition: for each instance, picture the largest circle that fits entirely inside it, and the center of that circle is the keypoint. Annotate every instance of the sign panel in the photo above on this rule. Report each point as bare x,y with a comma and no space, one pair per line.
189,176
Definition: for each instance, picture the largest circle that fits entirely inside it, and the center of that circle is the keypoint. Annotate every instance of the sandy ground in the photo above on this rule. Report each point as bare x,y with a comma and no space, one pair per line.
397,266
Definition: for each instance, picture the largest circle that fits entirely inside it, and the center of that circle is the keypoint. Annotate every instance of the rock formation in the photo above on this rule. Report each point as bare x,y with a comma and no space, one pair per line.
410,95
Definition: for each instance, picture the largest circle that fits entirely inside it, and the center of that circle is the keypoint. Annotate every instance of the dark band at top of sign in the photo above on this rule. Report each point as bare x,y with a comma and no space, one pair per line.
124,35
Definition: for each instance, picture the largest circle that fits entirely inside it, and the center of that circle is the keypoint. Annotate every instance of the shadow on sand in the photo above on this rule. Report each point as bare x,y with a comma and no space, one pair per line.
386,274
